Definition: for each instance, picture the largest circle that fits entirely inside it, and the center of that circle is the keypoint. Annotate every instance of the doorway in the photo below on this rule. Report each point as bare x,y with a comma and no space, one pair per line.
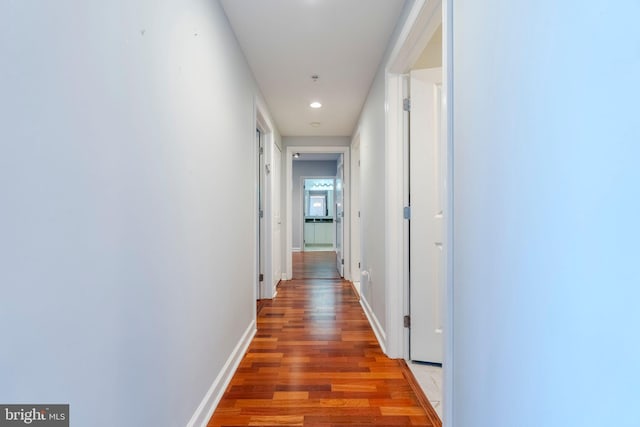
261,221
268,240
294,203
419,242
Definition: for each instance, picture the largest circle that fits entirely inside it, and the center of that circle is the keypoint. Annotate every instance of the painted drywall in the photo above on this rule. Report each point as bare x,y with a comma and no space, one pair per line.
305,169
371,130
546,202
431,56
125,256
372,207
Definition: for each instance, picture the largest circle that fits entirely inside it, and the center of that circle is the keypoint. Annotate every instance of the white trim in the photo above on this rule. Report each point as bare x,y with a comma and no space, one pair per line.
356,285
375,324
293,250
394,154
355,237
447,91
211,399
406,301
424,18
423,21
344,150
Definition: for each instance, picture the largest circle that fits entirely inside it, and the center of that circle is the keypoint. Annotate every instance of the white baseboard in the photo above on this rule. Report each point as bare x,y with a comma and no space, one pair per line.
357,286
375,325
215,392
296,250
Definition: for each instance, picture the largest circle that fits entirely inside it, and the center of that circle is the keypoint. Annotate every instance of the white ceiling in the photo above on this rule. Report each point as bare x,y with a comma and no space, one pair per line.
288,41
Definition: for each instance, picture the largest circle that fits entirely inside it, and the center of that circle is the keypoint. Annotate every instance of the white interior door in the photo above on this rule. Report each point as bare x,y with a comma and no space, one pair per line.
339,215
276,177
426,232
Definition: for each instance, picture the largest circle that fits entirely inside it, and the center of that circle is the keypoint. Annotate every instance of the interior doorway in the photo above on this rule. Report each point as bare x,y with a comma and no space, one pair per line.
419,244
268,241
297,200
260,213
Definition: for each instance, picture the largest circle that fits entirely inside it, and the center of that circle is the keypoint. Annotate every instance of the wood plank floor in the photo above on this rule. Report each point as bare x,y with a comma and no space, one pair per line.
315,265
316,362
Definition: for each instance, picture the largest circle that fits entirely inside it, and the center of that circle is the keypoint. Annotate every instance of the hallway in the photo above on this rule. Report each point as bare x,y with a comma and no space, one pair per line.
315,265
316,362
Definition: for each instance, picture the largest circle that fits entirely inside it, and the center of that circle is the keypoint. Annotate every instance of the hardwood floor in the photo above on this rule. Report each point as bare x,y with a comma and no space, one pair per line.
316,362
315,265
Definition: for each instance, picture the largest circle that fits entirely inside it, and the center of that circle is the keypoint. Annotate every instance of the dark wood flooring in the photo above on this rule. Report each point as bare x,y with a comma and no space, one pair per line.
315,265
316,362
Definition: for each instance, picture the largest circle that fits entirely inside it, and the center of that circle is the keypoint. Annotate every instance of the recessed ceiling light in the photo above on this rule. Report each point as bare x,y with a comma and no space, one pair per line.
315,124
315,104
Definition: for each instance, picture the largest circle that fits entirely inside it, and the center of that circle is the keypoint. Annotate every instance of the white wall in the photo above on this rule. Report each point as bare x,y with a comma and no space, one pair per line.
372,131
431,56
307,168
124,251
372,198
546,230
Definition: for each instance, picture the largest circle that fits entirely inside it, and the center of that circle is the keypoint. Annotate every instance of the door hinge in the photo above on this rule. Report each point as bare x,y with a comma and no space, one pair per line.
407,212
358,214
407,321
261,277
261,150
358,265
406,104
261,213
342,261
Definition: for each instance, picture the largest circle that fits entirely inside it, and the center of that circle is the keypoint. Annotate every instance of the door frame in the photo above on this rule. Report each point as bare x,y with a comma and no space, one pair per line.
424,18
263,123
344,150
338,219
354,237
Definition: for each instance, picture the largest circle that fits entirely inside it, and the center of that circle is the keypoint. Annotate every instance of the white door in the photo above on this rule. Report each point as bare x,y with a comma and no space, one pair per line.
276,180
339,215
426,234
